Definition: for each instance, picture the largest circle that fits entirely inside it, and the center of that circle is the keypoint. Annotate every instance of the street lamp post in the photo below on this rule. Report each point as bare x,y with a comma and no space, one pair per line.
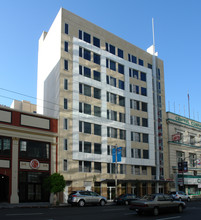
115,171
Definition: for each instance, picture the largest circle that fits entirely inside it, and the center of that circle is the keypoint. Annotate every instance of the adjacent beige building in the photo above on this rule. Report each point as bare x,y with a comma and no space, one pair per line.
184,142
23,105
106,93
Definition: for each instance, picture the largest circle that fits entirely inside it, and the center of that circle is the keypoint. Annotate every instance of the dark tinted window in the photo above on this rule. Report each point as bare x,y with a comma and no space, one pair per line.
97,93
120,53
80,34
5,146
112,65
121,84
143,76
87,54
66,46
66,64
87,72
121,101
144,107
96,42
97,129
120,68
97,75
87,128
143,91
96,58
134,59
141,62
112,49
87,37
66,28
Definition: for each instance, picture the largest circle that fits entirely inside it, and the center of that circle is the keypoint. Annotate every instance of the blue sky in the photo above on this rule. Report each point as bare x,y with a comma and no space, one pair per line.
177,36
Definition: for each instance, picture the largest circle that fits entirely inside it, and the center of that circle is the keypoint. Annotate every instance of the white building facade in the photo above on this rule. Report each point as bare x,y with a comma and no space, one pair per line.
101,89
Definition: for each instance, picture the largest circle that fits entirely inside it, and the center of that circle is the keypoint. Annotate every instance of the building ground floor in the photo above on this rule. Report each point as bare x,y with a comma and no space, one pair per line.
190,184
107,188
28,189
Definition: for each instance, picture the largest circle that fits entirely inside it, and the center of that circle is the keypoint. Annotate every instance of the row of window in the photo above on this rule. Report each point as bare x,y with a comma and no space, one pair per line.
112,98
87,109
137,105
136,89
135,74
116,133
115,66
113,115
28,149
86,167
139,153
108,47
113,82
85,71
87,90
133,59
87,38
111,48
139,137
86,54
193,159
86,147
87,127
135,120
111,147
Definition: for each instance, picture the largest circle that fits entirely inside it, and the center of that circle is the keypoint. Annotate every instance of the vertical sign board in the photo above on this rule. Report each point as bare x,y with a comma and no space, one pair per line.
113,155
118,154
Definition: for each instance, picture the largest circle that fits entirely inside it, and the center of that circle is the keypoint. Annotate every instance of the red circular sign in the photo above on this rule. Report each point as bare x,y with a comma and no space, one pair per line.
34,164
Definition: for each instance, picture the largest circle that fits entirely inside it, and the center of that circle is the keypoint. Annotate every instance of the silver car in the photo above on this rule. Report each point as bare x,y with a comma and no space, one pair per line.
81,198
180,195
155,203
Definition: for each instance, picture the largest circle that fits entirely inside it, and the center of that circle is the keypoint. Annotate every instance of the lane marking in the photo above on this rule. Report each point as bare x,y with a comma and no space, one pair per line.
111,210
169,218
25,214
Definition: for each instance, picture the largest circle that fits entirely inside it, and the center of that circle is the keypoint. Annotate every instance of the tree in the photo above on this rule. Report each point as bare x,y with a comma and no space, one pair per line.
55,183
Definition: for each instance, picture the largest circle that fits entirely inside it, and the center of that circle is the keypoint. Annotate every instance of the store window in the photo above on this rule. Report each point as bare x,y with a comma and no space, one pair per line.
34,149
5,146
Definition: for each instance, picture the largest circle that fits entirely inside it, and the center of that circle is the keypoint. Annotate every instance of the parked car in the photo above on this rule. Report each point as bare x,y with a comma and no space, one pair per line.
180,195
125,199
156,203
81,198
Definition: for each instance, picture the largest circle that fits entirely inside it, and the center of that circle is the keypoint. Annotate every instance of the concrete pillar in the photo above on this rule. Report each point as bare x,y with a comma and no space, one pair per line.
14,199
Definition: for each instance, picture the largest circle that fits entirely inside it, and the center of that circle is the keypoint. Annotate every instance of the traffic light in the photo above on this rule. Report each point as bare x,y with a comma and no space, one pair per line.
185,166
180,167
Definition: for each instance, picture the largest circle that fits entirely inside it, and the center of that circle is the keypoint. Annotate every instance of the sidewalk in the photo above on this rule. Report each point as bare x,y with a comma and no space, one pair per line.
38,205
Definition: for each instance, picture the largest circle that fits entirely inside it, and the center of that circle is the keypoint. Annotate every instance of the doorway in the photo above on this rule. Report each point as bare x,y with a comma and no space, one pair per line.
110,193
4,188
31,187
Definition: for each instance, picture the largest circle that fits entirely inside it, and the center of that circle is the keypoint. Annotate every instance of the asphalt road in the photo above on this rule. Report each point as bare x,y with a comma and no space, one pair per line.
193,210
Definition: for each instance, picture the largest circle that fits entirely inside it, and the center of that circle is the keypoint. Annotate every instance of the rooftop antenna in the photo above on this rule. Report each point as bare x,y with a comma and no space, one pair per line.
189,105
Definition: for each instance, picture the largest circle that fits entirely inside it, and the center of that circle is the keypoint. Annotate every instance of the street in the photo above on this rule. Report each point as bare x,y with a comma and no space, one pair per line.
95,212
